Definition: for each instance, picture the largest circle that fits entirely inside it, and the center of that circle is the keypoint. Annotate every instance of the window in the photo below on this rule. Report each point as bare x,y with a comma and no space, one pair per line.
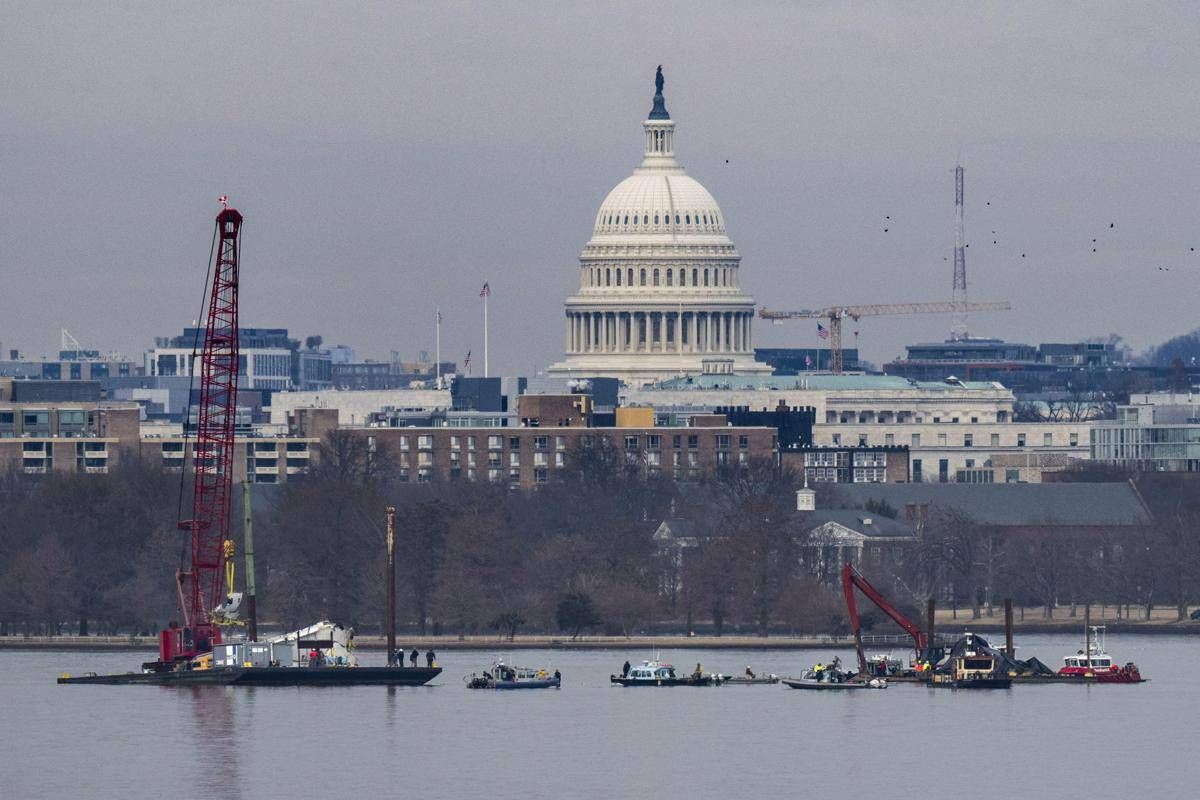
514,443
643,277
862,440
676,441
403,442
916,440
653,458
470,442
541,459
560,459
968,440
723,441
743,442
693,441
837,438
916,470
425,442
455,443
1047,439
995,440
541,443
495,442
937,419
941,440
722,458
631,443
943,470
1074,440
1020,440
889,439
654,442
540,476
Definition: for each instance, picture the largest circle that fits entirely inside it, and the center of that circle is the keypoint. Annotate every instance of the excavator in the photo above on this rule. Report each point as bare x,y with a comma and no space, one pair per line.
852,578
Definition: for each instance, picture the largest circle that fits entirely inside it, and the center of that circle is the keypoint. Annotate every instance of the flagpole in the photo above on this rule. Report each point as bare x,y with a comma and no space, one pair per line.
437,350
485,334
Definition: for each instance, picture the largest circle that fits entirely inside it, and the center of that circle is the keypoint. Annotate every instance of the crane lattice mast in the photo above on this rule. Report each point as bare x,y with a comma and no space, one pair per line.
200,584
959,294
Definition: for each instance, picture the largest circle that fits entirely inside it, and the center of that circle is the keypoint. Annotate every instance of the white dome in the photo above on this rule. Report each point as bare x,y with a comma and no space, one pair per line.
658,202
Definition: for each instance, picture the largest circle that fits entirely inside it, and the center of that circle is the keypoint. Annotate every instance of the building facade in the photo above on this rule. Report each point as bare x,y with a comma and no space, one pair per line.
1157,432
659,291
40,438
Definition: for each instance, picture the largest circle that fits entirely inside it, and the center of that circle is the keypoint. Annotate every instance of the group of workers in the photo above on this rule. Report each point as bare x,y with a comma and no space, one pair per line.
397,659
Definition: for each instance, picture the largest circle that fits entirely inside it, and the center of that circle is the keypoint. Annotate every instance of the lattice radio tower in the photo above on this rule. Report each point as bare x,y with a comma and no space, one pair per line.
959,296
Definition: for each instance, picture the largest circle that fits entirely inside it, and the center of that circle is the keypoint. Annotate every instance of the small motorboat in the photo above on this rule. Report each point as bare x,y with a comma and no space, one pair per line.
830,677
1093,663
655,673
811,680
749,678
502,676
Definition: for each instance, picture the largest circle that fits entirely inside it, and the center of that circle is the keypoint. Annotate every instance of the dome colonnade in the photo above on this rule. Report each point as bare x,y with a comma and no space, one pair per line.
659,290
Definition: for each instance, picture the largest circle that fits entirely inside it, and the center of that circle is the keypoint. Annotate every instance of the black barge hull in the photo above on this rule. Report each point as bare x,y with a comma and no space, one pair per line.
271,676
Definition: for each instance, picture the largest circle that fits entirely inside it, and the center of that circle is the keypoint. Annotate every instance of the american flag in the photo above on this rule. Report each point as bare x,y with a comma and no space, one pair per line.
808,361
467,360
439,316
486,291
822,331
223,200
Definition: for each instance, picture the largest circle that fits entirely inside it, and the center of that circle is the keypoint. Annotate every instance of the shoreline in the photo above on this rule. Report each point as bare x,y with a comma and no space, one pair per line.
663,641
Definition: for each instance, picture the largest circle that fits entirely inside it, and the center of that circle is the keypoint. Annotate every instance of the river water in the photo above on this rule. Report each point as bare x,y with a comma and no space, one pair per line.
593,740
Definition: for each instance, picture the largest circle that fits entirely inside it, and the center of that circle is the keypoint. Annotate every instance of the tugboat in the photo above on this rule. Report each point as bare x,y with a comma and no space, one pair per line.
1093,663
502,676
972,664
655,673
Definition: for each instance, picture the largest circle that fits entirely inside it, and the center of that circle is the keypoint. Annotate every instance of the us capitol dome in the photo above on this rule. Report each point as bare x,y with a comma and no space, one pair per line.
659,290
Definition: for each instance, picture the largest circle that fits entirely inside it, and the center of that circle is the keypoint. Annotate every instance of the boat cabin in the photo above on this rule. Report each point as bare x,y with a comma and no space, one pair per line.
1081,661
652,671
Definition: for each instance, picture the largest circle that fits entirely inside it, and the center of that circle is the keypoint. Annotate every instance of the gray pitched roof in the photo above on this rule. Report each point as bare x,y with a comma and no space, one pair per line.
1010,504
852,519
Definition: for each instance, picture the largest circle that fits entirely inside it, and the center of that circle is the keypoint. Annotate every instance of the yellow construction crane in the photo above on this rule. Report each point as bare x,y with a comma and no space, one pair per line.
835,314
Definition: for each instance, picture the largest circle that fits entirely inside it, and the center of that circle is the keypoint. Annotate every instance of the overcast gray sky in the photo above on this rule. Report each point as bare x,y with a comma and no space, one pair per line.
390,158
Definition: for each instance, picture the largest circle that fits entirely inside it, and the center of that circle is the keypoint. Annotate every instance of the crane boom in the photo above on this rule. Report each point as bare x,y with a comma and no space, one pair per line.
851,577
835,315
212,457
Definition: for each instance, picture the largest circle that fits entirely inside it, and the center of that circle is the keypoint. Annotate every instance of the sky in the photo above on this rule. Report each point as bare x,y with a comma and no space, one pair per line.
389,158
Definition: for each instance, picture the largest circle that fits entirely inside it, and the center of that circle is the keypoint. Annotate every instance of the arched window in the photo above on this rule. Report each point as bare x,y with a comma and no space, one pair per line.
643,276
706,219
635,219
687,218
706,277
608,277
618,277
630,281
645,219
683,277
656,277
670,277
695,277
626,219
676,219
656,219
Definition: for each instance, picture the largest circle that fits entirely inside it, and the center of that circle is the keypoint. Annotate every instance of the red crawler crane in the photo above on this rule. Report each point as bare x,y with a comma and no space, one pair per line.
851,578
200,585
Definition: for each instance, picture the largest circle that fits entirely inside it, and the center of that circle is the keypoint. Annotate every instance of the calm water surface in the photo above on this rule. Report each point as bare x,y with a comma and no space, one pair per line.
593,740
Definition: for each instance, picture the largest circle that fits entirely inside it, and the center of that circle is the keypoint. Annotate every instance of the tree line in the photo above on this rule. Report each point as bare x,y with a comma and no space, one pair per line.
97,553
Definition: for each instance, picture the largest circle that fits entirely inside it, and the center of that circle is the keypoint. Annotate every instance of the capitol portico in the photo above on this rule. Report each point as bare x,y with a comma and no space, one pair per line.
659,292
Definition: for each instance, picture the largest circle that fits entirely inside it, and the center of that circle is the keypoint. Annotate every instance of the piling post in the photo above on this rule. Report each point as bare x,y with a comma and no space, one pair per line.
248,536
1009,649
930,623
391,585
